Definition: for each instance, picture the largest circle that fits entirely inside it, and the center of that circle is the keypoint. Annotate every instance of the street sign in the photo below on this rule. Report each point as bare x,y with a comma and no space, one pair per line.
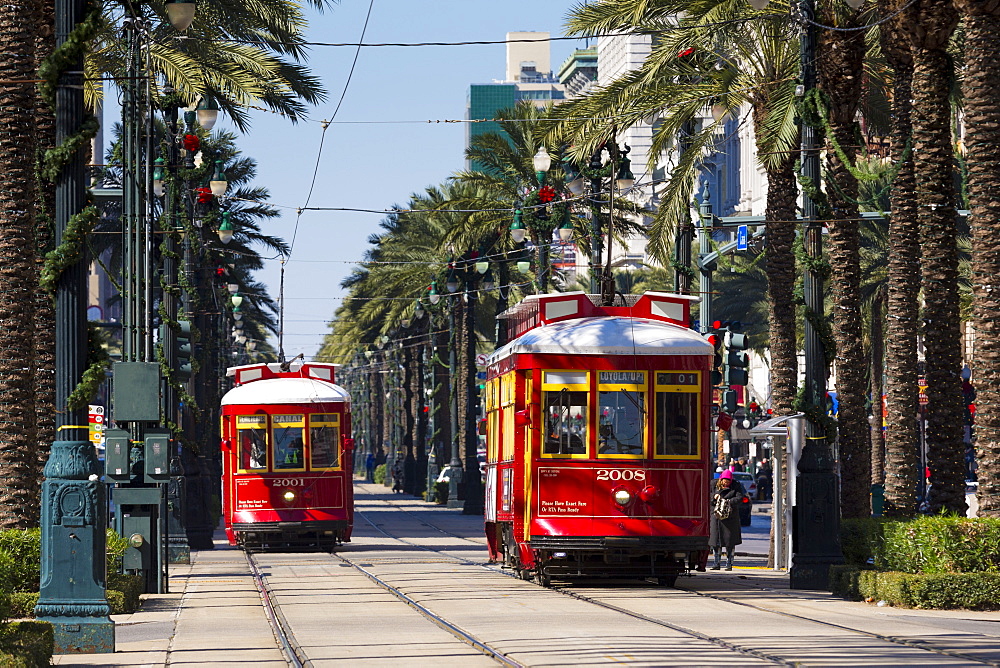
481,359
742,238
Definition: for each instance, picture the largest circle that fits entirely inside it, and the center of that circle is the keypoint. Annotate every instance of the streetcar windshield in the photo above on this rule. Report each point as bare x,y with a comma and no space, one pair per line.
288,448
565,423
622,421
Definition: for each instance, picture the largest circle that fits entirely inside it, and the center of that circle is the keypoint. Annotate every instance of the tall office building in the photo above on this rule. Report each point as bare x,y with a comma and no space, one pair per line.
528,76
578,74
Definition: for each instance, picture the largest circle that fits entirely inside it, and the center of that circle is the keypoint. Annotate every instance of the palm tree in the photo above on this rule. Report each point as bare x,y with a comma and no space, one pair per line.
731,63
840,56
981,89
901,438
238,52
930,25
18,443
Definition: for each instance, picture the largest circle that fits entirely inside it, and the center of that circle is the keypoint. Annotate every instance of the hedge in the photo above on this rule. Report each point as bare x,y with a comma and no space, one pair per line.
24,548
974,591
932,544
379,476
123,594
26,644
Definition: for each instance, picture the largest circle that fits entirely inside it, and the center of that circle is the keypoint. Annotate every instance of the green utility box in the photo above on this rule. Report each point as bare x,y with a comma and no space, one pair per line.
136,392
117,446
157,455
139,522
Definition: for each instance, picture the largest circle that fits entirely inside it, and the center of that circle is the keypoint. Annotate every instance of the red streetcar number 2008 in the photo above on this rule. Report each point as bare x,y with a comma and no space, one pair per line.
621,474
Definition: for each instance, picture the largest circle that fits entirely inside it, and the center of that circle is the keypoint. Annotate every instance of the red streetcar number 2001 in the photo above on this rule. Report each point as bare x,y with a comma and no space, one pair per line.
621,474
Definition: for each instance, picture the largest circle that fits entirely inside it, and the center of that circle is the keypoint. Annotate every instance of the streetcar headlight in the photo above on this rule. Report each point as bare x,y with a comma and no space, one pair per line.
289,496
622,497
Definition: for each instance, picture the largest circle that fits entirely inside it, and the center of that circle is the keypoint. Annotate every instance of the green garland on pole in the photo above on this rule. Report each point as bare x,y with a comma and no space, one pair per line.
71,248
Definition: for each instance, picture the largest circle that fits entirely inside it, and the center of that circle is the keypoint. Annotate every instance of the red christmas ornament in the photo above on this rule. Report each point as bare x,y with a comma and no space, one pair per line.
192,143
685,52
220,271
546,194
204,195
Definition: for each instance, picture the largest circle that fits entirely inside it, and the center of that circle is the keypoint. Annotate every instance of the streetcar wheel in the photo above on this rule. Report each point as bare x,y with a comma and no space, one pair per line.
667,580
543,579
524,574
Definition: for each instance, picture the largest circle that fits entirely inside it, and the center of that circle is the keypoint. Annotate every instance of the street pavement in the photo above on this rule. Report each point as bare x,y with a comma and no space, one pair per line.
435,556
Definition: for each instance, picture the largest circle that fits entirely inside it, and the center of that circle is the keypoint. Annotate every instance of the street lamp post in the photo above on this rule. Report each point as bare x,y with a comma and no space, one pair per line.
817,503
617,169
74,503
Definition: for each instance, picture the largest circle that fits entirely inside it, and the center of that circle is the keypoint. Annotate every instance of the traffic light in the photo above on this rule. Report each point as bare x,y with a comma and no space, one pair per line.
716,337
729,404
736,359
182,351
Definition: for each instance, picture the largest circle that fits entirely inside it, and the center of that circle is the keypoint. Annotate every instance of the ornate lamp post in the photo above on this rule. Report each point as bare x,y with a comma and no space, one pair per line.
617,170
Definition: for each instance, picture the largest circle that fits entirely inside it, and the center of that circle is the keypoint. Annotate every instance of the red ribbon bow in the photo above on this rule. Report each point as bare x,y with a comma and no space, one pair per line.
204,195
192,143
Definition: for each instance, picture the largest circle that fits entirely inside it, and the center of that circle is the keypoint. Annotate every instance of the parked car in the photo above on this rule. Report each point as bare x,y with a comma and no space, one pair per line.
750,487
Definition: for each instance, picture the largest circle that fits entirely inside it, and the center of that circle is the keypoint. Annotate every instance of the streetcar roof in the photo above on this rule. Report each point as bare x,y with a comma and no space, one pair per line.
286,391
607,336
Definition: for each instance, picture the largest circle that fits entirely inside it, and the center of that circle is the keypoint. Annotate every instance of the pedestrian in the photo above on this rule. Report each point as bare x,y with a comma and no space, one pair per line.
370,467
724,529
397,475
764,481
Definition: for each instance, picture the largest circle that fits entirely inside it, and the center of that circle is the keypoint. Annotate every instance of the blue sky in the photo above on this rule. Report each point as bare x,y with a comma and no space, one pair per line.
373,166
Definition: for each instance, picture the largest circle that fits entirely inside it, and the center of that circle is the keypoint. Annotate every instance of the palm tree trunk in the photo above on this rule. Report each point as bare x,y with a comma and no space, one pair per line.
19,499
903,285
781,277
982,90
933,162
44,312
839,64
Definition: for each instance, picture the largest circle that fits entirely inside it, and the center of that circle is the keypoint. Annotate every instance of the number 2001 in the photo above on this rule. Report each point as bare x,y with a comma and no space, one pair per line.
621,474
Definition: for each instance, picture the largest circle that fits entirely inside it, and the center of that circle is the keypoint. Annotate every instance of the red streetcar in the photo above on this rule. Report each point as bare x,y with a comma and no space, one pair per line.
598,439
287,469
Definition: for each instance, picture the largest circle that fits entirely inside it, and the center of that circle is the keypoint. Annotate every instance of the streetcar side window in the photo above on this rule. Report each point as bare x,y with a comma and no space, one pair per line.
565,423
324,441
676,424
251,434
289,444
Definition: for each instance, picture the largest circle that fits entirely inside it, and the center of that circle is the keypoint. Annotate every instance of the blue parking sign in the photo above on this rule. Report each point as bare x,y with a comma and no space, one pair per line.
742,238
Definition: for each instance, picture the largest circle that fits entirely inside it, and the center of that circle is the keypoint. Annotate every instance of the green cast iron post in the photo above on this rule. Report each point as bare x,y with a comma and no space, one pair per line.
74,501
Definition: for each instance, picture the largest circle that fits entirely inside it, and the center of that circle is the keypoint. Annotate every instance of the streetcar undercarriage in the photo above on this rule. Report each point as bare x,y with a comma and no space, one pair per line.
276,536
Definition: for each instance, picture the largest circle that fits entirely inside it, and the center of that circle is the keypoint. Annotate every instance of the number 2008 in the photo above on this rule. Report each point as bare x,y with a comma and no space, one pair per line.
621,474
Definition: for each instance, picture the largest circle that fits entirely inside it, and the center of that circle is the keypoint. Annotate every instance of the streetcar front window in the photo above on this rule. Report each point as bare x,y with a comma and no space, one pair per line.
324,437
622,422
676,424
565,423
253,448
289,445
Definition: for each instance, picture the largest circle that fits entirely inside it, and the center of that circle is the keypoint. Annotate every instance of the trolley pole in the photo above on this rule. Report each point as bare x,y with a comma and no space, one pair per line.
816,513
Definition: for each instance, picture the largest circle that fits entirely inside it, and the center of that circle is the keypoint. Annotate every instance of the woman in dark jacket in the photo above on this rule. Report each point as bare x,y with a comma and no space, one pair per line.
725,532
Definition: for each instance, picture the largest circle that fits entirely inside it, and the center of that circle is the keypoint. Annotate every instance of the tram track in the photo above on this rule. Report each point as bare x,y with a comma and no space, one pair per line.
566,591
290,648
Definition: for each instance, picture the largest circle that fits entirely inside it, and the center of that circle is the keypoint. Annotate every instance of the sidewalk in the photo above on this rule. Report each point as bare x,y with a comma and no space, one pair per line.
212,616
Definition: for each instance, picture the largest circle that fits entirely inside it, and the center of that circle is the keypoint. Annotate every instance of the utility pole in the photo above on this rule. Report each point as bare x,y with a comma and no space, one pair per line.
816,513
74,500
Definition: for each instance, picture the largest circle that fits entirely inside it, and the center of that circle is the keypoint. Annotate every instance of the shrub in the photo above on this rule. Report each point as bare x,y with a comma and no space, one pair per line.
861,540
941,544
131,588
31,643
22,604
24,548
116,551
380,474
